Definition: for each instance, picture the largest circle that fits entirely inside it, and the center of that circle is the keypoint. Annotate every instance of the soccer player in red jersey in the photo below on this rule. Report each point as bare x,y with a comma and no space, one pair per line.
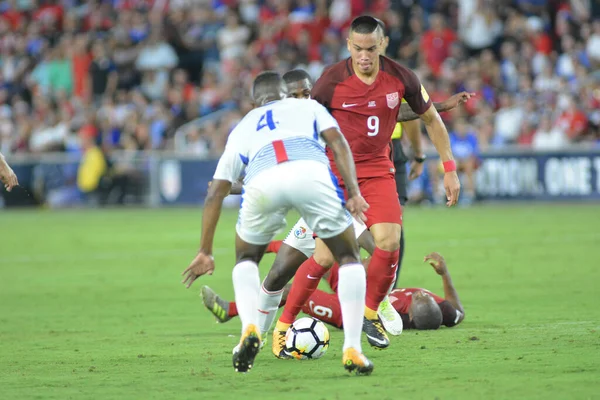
7,175
295,250
364,95
419,308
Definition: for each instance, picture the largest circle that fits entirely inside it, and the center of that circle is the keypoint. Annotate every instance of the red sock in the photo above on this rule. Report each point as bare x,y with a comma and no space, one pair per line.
324,306
380,275
232,309
274,246
332,277
302,288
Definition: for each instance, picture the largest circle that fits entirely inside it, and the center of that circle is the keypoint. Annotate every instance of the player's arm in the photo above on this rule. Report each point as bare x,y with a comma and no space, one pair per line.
412,130
330,132
229,170
236,187
450,294
439,136
218,190
7,175
343,159
407,114
345,164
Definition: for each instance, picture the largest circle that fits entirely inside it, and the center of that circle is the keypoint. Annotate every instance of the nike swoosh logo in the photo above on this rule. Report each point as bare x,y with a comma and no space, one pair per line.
312,277
394,265
381,342
348,105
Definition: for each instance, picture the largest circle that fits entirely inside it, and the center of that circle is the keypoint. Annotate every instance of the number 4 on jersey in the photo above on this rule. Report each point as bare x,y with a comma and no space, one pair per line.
266,120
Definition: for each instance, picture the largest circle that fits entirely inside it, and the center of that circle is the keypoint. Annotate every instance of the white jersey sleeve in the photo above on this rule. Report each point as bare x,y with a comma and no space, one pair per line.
323,119
233,161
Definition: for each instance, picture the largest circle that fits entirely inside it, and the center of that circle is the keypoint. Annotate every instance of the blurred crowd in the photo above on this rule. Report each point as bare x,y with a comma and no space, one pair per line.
137,75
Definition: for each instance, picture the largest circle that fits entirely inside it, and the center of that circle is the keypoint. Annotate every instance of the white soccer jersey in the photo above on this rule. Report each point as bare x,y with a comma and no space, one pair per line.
280,131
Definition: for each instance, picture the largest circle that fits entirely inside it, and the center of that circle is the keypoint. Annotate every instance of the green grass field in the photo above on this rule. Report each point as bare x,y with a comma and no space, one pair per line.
91,306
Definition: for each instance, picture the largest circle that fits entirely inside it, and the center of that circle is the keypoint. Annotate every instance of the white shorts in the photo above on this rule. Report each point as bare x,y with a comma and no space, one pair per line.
307,186
301,237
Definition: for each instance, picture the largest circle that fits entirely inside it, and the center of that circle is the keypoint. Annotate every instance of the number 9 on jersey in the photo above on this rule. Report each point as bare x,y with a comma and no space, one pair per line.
373,125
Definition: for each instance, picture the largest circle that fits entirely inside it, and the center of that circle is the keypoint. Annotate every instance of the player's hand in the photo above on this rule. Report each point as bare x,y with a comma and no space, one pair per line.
452,187
416,170
201,265
437,262
457,99
357,207
8,177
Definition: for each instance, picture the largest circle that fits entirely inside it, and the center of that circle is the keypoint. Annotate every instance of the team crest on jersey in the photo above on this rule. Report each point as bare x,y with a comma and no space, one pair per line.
392,99
300,232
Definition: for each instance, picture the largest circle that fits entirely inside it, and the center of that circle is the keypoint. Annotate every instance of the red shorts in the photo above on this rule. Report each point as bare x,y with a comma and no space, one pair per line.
382,196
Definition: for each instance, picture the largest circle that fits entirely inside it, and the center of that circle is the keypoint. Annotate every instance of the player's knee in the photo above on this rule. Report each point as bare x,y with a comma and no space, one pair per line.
324,259
390,241
349,257
250,253
323,253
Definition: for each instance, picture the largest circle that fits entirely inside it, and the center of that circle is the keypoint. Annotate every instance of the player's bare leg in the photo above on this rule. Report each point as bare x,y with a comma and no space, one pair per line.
351,293
286,263
305,283
246,285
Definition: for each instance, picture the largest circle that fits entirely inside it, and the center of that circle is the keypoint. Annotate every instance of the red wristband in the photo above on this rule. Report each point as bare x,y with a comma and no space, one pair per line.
449,165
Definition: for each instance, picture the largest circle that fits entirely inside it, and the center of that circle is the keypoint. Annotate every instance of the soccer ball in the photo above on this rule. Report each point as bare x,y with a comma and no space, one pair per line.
307,338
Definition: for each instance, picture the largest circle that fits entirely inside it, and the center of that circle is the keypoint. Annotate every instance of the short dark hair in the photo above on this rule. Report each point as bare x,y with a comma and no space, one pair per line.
427,315
365,24
296,75
380,23
267,86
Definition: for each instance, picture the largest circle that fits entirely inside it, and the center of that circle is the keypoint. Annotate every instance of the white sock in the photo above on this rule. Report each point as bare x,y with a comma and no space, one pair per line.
352,288
268,304
246,285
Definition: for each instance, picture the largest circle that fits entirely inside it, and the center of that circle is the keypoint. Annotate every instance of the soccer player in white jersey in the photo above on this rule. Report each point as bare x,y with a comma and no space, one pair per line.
299,245
279,146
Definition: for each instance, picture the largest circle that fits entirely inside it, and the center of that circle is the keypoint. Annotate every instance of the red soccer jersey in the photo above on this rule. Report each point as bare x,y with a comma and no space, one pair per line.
401,300
367,114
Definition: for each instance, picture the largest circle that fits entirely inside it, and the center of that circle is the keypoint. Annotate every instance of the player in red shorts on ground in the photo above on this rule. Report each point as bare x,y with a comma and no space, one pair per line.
364,93
419,308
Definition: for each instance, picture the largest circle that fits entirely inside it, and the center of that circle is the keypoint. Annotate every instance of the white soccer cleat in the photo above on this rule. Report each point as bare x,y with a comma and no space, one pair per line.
391,320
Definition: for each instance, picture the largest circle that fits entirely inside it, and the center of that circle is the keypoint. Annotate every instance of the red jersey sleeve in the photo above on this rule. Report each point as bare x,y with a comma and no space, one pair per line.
325,86
414,93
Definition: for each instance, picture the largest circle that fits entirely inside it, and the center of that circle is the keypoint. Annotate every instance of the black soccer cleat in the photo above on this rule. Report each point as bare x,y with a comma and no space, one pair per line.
249,348
375,332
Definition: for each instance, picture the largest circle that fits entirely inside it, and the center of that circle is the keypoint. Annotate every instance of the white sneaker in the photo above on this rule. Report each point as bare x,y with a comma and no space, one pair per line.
391,320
